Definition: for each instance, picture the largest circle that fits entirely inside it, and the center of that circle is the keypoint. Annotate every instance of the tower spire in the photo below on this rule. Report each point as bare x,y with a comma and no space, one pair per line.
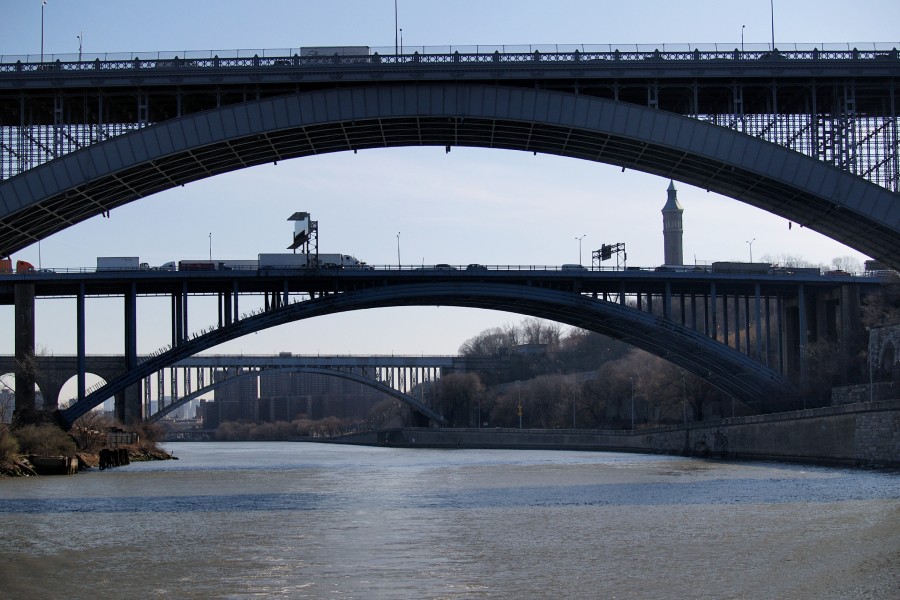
672,228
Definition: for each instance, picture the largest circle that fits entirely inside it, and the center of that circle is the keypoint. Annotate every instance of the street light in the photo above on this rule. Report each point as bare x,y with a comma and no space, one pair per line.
579,238
210,246
43,4
750,242
772,10
398,250
80,37
742,37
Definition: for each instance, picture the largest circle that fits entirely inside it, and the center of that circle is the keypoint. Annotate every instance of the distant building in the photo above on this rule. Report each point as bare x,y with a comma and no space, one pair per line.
237,400
673,228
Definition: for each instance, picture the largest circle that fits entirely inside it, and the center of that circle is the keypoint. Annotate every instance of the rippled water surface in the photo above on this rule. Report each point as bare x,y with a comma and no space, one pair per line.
292,520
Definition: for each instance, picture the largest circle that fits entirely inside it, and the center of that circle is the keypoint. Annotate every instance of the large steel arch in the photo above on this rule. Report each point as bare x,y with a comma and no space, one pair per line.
82,184
361,379
727,369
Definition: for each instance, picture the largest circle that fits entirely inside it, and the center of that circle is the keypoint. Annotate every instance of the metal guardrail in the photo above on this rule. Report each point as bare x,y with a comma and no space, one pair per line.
570,269
472,55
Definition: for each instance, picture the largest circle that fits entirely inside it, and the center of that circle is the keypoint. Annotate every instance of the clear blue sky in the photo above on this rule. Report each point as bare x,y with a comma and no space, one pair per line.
486,206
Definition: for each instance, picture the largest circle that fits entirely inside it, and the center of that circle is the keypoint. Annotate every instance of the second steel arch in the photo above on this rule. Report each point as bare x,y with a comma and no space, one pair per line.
80,185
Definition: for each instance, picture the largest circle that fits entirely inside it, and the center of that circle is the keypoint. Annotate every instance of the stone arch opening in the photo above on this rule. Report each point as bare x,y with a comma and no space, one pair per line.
68,391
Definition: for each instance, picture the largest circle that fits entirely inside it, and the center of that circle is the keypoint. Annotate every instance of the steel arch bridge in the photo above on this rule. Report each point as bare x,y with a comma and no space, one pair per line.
725,368
410,401
802,135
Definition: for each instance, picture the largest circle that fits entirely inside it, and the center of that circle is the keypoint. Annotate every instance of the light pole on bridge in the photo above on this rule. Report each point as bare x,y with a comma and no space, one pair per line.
43,4
750,243
398,250
579,238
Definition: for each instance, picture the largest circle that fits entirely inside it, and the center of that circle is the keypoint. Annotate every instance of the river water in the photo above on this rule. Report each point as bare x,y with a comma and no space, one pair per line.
297,520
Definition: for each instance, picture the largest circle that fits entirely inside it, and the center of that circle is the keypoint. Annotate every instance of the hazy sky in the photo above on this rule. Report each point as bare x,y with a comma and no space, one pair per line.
485,206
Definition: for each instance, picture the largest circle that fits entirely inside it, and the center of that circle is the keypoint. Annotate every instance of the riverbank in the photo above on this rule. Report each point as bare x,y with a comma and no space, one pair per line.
859,435
20,466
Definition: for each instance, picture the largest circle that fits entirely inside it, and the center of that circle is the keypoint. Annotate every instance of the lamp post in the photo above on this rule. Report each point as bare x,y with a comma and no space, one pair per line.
750,243
80,37
401,40
43,4
742,38
210,246
772,10
579,238
398,250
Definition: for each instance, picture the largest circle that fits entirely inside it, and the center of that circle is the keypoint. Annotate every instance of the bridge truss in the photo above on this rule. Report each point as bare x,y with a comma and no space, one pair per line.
839,107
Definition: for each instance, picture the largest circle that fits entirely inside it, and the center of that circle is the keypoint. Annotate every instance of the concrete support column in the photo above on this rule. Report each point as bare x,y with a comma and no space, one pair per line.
176,319
725,319
758,312
667,301
80,342
851,329
128,404
804,333
25,360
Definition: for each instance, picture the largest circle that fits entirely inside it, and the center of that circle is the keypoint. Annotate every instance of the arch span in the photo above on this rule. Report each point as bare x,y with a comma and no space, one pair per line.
85,183
367,381
720,365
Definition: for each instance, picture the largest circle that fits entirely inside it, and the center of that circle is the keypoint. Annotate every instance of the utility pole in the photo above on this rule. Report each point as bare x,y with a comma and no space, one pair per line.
43,4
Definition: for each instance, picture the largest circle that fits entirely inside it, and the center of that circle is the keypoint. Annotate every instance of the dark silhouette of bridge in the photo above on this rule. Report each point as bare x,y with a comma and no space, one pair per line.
740,332
807,135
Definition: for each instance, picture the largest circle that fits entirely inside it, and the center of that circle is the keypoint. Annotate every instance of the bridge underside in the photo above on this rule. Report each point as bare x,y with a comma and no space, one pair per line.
82,184
725,368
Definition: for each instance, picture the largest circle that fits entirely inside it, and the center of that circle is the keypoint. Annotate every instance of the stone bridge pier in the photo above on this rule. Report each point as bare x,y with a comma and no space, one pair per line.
50,373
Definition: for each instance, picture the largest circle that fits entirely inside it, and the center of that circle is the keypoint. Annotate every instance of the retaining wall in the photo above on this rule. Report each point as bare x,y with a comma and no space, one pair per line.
865,434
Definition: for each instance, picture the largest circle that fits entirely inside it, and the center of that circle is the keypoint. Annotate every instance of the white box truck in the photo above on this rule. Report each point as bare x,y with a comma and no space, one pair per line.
120,263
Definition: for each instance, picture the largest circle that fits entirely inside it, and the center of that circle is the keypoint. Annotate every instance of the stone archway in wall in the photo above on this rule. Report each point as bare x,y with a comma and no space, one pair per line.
42,399
106,175
68,389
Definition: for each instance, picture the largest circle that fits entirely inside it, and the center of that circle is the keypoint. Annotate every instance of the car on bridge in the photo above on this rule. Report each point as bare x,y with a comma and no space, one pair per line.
573,267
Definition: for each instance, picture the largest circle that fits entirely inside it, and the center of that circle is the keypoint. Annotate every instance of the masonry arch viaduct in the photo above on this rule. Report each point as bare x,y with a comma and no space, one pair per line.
77,186
726,368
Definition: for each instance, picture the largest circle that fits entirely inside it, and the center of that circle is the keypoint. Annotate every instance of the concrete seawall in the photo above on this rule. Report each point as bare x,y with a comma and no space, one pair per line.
865,434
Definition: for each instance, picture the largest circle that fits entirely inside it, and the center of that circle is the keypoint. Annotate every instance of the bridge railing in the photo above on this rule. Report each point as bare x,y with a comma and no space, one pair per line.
296,57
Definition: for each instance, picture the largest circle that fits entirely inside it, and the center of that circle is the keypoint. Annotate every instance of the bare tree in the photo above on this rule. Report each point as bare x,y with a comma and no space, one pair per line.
848,264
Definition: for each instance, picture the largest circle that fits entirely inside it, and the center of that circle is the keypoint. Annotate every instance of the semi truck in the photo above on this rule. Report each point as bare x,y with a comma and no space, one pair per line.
308,51
120,263
304,261
22,266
